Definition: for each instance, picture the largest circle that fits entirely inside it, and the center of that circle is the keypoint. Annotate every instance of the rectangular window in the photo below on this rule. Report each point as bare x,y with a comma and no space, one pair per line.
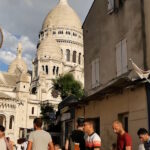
32,110
110,6
95,73
121,57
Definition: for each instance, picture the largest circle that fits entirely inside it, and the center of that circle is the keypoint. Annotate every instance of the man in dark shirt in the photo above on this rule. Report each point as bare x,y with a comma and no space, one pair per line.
124,141
77,136
144,137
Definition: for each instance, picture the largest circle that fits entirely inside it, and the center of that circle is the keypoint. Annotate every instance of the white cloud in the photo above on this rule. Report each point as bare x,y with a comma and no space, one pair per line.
23,19
9,48
29,2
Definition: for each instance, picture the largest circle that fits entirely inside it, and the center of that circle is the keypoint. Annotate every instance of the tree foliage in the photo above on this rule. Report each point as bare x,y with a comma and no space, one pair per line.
66,85
48,114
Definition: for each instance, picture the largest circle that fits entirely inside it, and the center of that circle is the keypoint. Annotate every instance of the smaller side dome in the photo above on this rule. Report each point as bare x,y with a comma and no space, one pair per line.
18,65
49,48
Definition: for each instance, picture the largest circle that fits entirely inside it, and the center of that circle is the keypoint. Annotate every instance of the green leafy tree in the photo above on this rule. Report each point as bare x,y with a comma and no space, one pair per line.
48,115
66,85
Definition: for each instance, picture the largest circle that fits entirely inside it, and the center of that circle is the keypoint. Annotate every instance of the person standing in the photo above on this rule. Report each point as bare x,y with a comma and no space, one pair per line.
39,139
144,138
5,144
124,141
93,140
77,135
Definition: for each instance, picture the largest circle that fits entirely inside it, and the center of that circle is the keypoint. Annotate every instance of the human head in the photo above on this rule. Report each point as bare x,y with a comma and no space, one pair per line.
143,134
117,127
89,126
37,123
2,131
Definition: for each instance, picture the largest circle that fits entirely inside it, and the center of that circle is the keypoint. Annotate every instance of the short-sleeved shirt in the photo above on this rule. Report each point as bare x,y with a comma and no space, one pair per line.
40,140
123,141
93,141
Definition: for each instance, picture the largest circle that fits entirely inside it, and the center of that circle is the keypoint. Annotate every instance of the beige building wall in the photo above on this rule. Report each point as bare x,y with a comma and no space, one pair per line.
147,30
133,102
102,33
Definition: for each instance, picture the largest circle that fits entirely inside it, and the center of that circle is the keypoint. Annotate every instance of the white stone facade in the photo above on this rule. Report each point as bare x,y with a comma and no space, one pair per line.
59,50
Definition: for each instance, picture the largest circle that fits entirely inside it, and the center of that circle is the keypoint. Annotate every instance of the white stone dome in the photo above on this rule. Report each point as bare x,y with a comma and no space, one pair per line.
18,63
62,16
48,48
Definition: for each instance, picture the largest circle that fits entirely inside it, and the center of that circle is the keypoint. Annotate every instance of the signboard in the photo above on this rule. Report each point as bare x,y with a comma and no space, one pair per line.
1,37
64,109
65,116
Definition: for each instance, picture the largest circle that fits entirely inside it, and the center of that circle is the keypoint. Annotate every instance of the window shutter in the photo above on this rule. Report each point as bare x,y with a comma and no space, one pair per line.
118,59
124,56
110,6
93,74
97,72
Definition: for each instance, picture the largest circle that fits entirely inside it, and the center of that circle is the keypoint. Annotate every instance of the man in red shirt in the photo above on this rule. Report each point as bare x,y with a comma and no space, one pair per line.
124,141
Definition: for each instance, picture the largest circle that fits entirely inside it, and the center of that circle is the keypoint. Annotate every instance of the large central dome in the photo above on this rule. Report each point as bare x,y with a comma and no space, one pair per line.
62,16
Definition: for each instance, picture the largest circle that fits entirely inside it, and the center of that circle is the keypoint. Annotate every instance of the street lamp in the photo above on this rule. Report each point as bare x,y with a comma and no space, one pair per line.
1,37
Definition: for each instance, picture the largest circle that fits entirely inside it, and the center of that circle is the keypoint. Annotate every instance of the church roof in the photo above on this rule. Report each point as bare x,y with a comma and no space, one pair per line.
3,95
62,16
8,79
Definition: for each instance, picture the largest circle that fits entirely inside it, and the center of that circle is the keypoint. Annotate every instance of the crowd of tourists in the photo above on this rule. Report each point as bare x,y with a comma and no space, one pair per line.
83,138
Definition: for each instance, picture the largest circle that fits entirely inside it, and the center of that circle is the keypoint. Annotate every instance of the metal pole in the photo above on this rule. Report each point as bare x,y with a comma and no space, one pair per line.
1,37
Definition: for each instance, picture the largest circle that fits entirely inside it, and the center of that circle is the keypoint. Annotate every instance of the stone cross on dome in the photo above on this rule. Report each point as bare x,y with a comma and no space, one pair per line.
19,50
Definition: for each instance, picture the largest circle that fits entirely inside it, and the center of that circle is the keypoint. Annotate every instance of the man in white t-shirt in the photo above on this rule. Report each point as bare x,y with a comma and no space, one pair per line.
93,140
39,139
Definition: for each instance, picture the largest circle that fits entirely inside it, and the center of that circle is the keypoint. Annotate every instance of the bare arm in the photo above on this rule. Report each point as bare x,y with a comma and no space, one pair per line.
51,146
128,147
67,145
96,148
29,145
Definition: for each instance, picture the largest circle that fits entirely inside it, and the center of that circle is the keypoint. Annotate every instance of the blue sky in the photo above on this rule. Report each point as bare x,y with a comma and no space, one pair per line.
3,67
21,21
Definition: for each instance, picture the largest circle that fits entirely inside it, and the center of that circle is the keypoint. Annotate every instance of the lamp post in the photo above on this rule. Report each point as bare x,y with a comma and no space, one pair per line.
1,37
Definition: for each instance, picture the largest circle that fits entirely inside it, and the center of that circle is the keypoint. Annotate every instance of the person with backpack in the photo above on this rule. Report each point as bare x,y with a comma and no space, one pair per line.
5,144
144,138
77,137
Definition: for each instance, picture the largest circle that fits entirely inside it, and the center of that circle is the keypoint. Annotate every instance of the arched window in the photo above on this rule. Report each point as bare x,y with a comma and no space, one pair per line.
11,122
54,70
3,120
60,32
43,68
54,32
67,32
46,69
79,59
34,90
62,52
32,111
57,70
67,54
74,56
74,34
